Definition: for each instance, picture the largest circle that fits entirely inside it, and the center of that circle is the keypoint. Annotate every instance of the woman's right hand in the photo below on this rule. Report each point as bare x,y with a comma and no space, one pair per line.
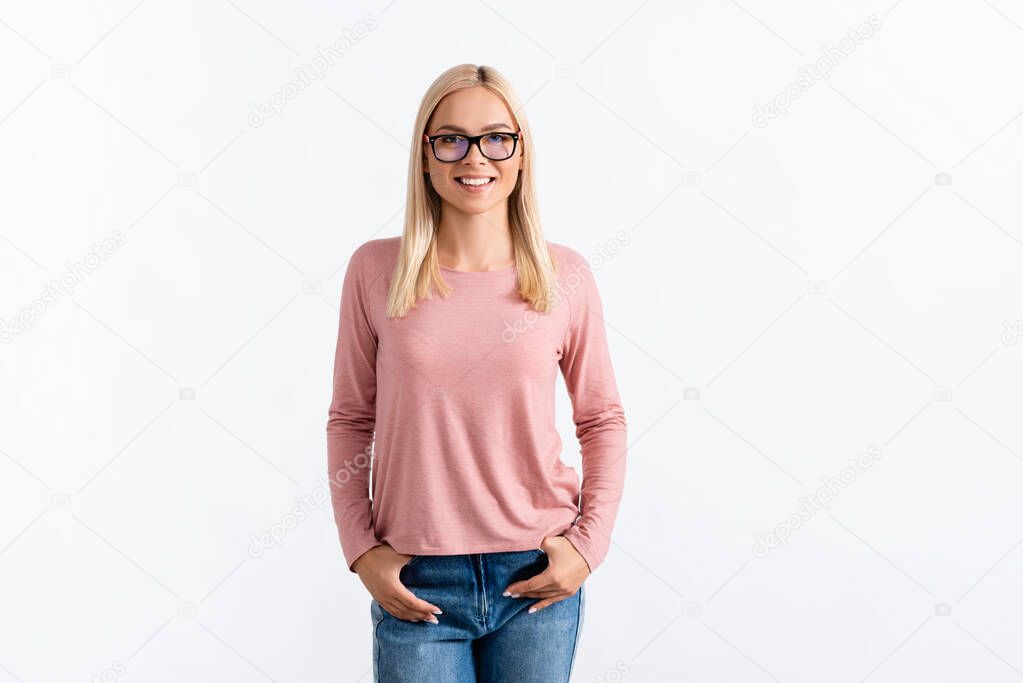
379,568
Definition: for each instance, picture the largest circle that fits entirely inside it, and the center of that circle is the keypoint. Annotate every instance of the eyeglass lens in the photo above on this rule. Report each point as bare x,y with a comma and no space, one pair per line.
496,146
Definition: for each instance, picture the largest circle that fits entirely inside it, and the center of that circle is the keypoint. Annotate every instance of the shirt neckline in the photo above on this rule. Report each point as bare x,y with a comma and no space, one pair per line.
480,273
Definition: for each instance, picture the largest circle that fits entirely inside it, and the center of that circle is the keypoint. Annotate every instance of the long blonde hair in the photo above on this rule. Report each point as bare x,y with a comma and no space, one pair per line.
417,267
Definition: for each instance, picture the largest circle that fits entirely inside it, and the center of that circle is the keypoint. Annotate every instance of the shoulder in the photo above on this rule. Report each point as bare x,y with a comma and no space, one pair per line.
377,251
565,254
571,266
374,257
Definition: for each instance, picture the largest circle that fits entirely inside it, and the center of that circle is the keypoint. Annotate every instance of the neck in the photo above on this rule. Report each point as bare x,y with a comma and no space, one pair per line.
475,241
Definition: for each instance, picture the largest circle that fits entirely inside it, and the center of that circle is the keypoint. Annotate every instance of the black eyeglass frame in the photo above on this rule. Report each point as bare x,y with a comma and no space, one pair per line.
473,140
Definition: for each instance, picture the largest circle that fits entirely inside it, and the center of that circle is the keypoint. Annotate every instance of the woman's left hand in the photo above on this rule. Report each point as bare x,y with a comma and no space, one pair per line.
566,570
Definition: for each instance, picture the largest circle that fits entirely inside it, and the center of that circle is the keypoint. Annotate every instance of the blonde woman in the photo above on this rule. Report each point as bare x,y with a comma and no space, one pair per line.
478,538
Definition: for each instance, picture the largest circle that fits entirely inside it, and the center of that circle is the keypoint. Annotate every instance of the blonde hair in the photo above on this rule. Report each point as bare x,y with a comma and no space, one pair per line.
417,267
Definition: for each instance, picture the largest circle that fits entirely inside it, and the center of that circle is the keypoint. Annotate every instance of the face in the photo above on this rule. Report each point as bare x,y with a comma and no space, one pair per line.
473,111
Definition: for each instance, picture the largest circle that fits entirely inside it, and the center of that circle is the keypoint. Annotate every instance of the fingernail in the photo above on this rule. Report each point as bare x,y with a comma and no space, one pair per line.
432,621
437,611
515,595
532,609
506,594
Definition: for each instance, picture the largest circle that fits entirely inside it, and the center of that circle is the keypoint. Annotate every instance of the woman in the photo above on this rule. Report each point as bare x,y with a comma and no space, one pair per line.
478,538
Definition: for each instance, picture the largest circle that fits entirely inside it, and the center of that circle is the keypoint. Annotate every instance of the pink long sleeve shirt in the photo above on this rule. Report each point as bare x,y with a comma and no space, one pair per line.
447,415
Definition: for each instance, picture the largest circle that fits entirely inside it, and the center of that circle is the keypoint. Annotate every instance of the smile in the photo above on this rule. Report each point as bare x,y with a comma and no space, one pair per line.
477,184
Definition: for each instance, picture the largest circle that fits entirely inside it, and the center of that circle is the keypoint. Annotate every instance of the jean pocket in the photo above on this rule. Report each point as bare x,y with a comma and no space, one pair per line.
377,613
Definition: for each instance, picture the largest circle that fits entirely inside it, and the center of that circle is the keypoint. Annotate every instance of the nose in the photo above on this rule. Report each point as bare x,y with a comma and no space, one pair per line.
474,155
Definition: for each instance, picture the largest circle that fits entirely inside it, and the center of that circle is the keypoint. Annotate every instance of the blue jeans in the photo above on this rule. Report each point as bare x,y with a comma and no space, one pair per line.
482,635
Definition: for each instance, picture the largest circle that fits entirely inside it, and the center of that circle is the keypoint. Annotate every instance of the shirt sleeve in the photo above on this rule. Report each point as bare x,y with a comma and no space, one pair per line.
598,415
352,416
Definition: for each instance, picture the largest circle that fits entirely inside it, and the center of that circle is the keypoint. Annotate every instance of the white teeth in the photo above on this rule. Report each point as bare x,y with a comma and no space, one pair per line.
474,181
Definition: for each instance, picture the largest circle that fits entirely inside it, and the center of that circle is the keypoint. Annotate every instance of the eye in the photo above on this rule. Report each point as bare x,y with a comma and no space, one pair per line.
451,139
497,137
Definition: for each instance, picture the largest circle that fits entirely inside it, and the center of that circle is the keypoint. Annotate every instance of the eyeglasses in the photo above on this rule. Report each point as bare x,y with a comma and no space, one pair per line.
448,147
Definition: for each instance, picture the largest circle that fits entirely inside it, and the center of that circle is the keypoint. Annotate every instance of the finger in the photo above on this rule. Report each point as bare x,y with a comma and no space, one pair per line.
396,610
400,611
544,603
541,581
540,594
409,600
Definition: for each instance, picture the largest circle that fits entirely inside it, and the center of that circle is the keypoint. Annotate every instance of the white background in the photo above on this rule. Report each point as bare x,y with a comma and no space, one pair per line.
791,295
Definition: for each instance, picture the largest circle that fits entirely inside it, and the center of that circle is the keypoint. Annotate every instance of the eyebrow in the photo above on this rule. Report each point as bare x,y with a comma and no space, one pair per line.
484,129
